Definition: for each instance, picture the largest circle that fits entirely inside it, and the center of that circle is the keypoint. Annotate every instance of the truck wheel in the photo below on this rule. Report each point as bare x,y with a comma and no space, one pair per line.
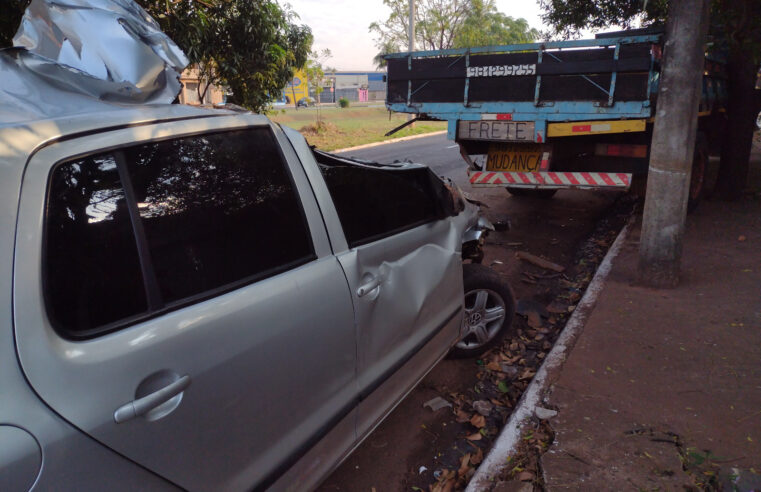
697,177
489,310
528,192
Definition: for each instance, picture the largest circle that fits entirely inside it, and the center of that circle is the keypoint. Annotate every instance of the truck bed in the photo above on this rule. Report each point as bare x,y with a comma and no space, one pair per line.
602,78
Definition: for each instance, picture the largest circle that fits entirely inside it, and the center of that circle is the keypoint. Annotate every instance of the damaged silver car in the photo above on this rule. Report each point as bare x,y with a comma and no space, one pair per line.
196,299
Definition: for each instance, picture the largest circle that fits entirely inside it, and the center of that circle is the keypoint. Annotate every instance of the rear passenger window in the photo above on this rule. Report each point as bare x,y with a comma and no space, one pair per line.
374,201
92,270
216,209
139,230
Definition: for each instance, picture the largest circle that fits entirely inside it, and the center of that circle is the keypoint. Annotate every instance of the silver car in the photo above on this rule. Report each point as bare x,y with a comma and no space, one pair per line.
196,299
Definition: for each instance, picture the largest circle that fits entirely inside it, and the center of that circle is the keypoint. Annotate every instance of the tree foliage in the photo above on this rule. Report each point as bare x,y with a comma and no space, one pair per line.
443,24
486,26
249,46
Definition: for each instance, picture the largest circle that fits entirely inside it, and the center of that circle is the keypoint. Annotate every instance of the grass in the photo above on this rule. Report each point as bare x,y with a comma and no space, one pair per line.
348,127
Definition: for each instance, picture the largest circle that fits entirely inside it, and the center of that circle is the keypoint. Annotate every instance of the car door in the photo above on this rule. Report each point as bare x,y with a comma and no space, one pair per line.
400,252
175,297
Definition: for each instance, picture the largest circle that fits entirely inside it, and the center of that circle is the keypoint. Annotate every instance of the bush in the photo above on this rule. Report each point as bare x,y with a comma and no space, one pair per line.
343,102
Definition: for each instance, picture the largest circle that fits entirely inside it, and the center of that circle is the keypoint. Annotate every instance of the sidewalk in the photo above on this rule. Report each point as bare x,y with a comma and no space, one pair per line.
663,388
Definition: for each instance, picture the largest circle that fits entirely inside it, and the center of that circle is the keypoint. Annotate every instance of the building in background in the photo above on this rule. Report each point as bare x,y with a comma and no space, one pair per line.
189,94
354,86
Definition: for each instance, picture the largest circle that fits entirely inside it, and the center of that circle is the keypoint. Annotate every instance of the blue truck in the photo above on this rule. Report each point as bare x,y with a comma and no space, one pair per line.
539,117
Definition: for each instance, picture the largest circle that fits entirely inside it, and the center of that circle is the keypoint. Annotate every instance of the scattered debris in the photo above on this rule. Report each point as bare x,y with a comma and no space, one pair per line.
540,262
544,413
437,403
483,407
421,470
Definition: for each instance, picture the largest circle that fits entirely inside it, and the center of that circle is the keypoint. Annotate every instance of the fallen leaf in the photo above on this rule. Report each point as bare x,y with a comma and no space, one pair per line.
525,476
462,416
534,319
477,457
464,465
741,238
476,436
478,421
502,387
557,307
493,366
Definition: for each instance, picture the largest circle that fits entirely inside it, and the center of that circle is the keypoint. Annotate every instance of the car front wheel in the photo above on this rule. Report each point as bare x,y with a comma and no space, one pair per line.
489,310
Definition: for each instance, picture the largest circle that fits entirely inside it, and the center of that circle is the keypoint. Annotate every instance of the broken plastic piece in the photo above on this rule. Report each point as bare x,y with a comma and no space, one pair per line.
437,403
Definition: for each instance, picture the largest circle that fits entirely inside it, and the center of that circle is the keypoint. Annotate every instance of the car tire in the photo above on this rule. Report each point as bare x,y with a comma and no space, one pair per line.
531,193
487,295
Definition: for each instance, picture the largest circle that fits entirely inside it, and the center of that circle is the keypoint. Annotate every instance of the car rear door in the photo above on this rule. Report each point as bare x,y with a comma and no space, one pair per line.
400,251
175,297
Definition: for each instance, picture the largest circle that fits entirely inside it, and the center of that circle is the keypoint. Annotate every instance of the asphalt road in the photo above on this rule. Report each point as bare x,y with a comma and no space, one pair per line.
442,155
412,437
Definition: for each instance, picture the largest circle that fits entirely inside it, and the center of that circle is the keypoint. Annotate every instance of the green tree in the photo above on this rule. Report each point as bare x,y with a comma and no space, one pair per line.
736,36
437,22
385,47
249,46
442,24
486,26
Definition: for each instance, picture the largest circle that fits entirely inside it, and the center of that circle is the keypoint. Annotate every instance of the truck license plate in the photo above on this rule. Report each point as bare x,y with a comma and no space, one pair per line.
514,157
498,130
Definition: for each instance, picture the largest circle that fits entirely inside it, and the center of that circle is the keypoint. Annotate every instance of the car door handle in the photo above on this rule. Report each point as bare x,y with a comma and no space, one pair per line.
143,405
369,286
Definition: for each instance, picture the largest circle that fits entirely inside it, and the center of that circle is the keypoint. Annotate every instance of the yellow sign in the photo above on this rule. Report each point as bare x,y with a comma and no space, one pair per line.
298,88
514,157
594,127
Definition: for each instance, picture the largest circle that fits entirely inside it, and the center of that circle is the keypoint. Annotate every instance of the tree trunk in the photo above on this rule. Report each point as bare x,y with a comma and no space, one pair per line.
673,143
743,106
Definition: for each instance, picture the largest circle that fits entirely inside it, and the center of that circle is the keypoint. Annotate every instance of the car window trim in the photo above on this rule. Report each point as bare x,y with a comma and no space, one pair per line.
124,323
392,232
150,282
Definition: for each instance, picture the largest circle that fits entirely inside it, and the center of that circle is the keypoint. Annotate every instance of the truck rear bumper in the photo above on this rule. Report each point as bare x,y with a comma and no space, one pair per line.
551,180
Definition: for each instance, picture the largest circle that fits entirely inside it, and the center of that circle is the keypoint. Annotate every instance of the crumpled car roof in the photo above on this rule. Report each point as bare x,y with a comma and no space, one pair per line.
80,56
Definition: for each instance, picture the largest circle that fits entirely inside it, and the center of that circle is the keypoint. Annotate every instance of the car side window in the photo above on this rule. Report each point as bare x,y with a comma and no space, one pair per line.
375,202
91,269
189,218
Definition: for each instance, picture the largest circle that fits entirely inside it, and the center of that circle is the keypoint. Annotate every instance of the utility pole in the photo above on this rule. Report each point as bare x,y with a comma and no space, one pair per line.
411,43
673,143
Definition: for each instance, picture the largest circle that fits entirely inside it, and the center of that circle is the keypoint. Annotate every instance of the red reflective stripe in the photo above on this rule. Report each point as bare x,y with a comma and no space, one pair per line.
524,178
539,178
581,128
607,179
624,178
509,177
474,177
554,177
497,181
488,177
589,178
506,117
571,178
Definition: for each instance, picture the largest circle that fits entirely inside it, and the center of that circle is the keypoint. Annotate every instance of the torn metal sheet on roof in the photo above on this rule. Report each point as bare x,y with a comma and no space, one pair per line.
73,56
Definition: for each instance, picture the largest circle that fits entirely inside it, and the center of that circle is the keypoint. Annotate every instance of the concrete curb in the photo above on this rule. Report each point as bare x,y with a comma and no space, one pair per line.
510,436
384,142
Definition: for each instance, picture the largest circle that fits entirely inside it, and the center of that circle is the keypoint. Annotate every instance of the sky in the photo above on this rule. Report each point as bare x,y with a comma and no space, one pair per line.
341,26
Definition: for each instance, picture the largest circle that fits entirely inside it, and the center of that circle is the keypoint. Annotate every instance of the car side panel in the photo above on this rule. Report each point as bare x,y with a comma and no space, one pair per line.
271,364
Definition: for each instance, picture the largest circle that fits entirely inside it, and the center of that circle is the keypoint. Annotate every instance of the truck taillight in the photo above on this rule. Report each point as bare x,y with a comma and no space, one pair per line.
621,150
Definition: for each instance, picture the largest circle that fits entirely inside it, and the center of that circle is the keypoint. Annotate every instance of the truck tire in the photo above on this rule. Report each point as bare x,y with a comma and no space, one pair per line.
489,310
531,193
